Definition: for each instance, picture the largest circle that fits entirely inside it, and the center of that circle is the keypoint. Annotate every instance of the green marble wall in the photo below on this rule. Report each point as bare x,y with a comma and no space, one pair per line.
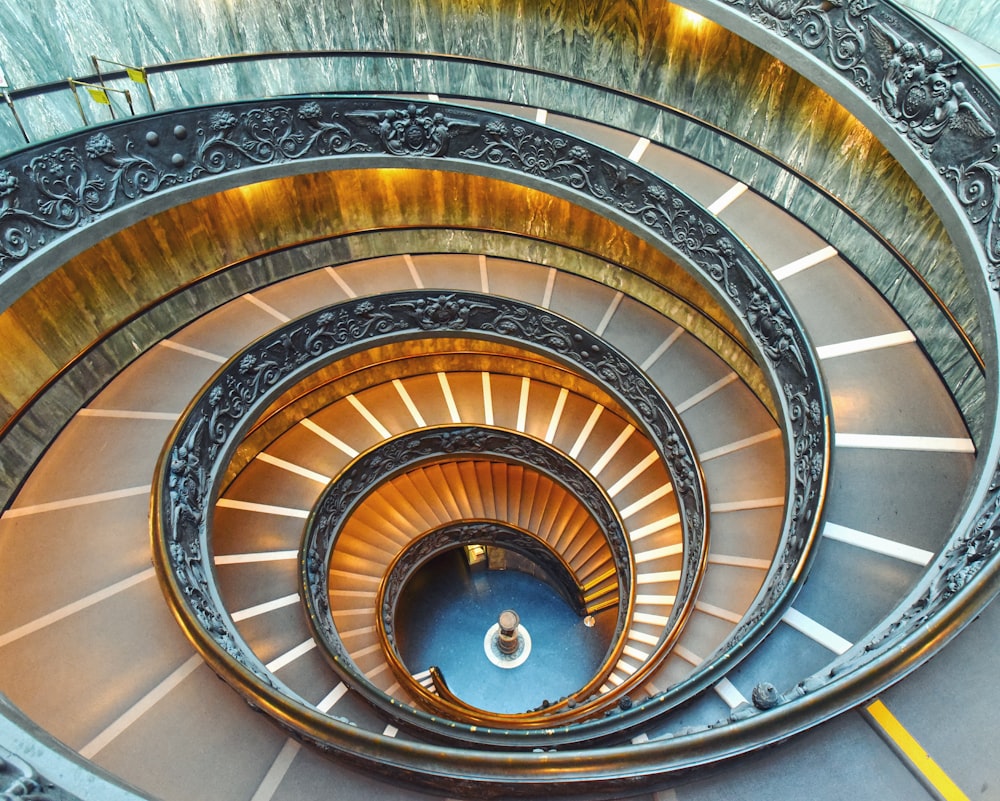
979,19
645,48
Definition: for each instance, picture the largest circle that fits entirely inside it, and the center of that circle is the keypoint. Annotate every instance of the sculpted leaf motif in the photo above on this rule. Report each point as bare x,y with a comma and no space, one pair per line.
533,152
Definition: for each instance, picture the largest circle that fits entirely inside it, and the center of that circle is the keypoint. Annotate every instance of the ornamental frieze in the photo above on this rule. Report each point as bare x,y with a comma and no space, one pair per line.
923,89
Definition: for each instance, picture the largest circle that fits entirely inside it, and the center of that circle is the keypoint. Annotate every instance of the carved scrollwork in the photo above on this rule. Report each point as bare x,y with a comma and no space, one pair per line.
776,333
528,150
267,135
780,15
69,189
809,458
442,312
916,83
696,235
547,330
977,187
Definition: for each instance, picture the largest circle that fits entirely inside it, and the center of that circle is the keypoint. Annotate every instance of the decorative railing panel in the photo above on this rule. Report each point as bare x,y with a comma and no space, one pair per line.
920,86
212,428
448,443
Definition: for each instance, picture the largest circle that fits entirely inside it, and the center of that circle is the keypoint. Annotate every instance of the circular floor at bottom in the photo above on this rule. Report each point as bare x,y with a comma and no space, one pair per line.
447,609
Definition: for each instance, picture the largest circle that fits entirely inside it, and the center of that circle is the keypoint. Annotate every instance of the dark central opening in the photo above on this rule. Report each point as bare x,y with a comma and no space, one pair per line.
448,606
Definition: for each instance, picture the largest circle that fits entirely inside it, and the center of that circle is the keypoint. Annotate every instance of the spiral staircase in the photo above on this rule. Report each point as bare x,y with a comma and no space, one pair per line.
269,358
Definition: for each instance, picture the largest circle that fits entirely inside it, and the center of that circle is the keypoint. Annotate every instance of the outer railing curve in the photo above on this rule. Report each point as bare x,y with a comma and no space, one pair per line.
383,130
222,142
213,425
76,185
962,579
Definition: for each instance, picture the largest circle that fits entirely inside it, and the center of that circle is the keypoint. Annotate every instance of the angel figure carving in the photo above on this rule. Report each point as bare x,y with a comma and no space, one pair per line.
919,93
413,131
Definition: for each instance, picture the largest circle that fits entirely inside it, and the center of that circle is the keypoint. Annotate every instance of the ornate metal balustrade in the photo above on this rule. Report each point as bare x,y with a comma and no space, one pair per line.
373,131
212,428
958,583
656,207
930,101
458,443
76,187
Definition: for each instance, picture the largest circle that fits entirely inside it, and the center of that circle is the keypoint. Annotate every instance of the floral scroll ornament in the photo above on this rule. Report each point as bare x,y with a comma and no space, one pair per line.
71,189
130,175
978,188
780,15
269,135
15,231
693,234
533,153
773,327
441,312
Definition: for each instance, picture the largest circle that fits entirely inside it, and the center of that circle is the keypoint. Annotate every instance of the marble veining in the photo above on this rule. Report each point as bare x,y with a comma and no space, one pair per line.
972,18
638,46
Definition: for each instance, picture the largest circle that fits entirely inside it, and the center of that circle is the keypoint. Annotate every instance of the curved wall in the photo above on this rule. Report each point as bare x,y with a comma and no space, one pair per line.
645,48
818,150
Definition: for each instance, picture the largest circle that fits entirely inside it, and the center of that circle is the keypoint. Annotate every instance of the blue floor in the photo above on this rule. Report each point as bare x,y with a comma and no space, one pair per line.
446,611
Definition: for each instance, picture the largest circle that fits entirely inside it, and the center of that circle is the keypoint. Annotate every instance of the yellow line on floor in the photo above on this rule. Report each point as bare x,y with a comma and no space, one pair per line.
914,752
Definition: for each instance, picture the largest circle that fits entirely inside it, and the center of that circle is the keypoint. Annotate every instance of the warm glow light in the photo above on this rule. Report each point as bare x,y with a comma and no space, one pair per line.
850,404
692,17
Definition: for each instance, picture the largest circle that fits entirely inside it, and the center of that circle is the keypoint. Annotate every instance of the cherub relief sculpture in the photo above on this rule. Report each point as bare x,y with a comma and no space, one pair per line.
919,93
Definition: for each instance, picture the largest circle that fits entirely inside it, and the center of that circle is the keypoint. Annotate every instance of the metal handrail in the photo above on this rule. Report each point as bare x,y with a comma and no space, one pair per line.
448,443
422,135
181,66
